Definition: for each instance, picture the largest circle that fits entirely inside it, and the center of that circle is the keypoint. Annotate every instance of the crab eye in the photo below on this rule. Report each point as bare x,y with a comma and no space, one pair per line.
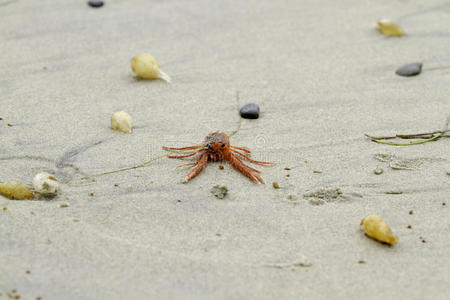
223,145
209,147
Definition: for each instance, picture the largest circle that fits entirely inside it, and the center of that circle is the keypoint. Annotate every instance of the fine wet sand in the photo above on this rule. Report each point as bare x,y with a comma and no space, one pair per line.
322,76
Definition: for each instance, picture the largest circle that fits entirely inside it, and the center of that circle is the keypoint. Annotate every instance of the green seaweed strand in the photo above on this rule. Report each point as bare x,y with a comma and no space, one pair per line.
146,162
438,135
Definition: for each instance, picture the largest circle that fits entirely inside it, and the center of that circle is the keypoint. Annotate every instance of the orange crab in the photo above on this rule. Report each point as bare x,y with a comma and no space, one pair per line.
216,147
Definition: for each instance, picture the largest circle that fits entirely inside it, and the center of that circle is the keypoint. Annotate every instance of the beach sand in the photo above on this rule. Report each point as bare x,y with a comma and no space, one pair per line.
322,75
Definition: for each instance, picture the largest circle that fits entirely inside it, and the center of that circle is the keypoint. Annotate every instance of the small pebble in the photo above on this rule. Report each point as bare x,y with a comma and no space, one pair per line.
361,261
443,204
411,212
64,205
288,175
10,125
95,3
28,272
287,169
408,70
409,226
250,111
121,121
1,119
221,167
91,194
317,172
275,185
378,171
5,208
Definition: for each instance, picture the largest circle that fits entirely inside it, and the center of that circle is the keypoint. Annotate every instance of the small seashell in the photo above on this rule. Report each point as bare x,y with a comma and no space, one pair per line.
121,121
389,28
145,66
376,228
45,184
16,190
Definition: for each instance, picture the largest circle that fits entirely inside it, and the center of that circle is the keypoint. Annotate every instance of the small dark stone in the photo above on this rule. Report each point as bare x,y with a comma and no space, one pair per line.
95,3
411,69
250,111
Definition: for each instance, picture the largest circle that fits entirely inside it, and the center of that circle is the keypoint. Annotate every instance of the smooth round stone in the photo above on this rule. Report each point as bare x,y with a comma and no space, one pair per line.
250,111
95,3
411,69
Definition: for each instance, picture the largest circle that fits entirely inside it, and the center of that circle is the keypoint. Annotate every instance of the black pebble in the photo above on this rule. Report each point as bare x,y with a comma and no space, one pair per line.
411,69
95,3
250,111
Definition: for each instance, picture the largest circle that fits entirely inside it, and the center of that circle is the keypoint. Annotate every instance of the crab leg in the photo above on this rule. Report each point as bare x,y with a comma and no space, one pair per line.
190,164
251,160
248,167
183,148
246,150
201,163
187,155
244,169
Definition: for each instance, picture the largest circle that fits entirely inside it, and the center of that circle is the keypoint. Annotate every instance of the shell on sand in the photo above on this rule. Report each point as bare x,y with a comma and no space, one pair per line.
16,190
376,228
121,121
45,184
145,66
389,28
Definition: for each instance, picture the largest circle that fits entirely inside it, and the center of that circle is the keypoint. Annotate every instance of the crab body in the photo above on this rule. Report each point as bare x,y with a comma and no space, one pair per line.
217,147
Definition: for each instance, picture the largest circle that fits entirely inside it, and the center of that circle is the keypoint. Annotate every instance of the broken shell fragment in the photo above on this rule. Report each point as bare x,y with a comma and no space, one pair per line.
389,28
45,184
376,228
16,190
145,66
121,121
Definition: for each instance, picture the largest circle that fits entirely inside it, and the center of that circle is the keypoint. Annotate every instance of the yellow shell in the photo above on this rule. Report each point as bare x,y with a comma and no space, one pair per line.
145,66
16,190
376,228
389,28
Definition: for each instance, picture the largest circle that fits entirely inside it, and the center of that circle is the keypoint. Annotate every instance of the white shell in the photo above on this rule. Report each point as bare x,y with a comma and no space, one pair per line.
45,184
121,121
